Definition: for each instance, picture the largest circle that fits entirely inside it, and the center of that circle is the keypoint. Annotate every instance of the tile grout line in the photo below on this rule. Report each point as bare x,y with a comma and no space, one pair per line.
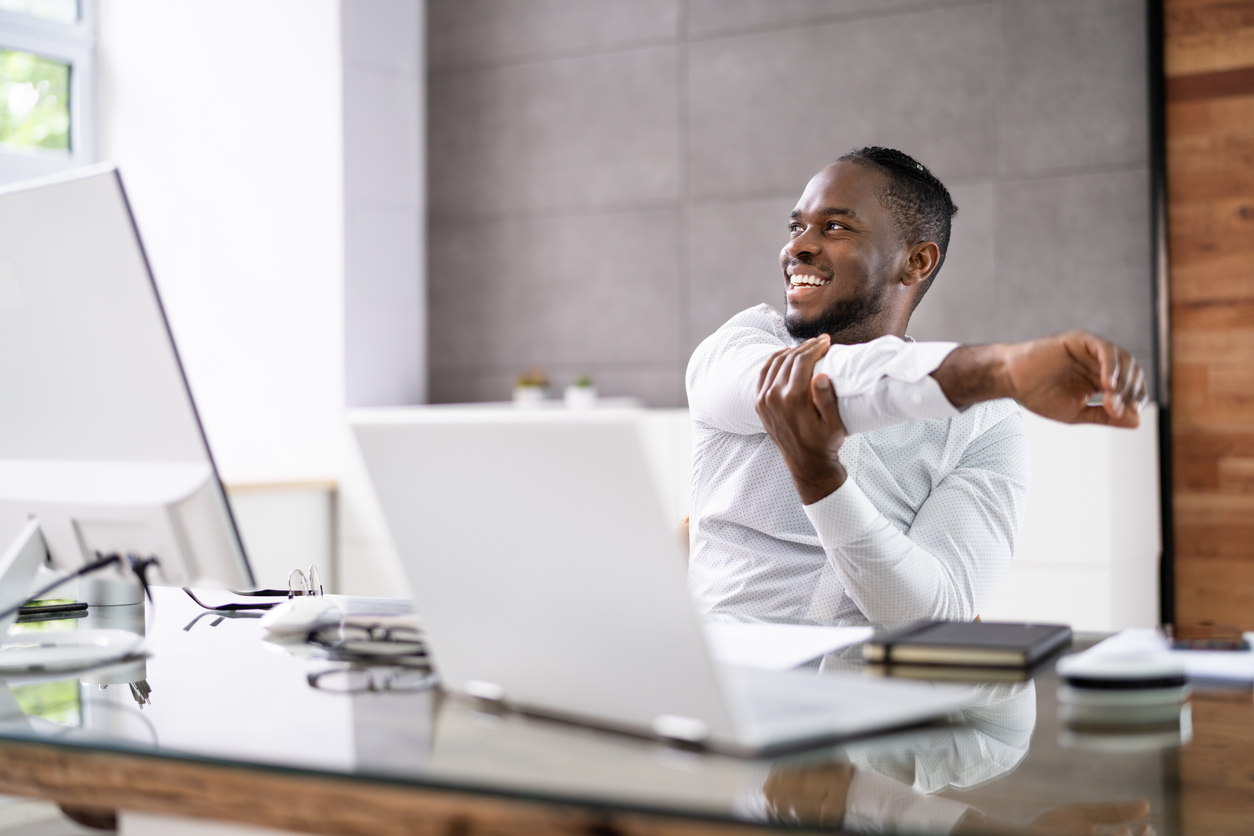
686,199
682,219
714,35
999,13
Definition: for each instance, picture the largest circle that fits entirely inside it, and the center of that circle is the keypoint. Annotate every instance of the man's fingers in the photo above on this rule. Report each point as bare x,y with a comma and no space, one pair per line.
808,353
784,373
768,369
1128,392
1141,393
1117,371
1098,362
823,393
1123,380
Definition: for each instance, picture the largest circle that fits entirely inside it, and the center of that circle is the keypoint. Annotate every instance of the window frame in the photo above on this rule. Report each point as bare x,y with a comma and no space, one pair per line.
73,44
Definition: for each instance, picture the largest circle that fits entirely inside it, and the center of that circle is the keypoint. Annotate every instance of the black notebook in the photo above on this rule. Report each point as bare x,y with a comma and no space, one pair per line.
979,643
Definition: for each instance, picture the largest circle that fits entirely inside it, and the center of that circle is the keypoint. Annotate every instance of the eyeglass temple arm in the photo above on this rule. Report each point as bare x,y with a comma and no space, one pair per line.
228,607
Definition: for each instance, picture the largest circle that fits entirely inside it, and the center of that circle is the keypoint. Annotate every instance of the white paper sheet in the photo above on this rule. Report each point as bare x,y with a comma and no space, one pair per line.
1215,665
778,647
1227,665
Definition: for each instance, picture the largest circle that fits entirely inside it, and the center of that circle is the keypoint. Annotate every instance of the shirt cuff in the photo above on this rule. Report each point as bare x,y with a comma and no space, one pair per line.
843,516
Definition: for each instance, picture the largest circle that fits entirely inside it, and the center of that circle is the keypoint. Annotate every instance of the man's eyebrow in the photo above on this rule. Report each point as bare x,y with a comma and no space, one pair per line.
828,210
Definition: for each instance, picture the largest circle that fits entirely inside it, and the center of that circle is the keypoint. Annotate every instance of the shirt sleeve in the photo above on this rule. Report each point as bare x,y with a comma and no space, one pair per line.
722,378
956,551
884,382
887,381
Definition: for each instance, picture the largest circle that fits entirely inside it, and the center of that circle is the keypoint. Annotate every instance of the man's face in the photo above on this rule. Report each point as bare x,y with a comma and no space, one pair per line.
844,255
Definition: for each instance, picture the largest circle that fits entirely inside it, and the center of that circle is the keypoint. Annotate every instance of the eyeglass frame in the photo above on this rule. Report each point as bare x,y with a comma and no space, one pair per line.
341,650
308,581
430,680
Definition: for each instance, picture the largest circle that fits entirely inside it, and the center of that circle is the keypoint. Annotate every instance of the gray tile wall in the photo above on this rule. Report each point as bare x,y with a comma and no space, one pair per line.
609,181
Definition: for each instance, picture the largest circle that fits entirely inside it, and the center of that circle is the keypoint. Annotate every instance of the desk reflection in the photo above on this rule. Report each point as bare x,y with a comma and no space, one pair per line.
888,784
219,691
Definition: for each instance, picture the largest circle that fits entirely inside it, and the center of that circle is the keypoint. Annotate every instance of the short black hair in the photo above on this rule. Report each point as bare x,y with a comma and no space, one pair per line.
919,202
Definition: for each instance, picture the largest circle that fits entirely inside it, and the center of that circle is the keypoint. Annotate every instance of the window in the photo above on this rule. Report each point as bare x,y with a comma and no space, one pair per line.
34,102
58,11
47,87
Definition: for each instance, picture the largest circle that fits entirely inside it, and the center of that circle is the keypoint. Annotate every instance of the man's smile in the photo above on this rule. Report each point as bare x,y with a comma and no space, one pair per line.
807,279
803,282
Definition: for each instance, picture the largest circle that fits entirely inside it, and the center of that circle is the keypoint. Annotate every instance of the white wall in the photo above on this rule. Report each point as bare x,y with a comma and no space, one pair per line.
1091,543
226,120
252,192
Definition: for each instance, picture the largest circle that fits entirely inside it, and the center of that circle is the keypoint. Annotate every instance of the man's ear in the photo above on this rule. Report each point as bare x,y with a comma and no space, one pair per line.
921,263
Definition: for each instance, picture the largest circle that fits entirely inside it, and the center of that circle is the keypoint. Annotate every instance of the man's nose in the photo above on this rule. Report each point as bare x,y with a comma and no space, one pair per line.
804,243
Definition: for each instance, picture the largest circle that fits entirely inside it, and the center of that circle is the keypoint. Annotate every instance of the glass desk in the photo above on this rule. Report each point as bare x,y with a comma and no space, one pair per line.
231,729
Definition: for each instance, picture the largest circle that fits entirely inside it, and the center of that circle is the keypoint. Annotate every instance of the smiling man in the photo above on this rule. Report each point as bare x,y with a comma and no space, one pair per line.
844,472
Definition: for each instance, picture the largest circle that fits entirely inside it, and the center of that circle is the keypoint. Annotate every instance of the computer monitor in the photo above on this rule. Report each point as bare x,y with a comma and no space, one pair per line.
100,441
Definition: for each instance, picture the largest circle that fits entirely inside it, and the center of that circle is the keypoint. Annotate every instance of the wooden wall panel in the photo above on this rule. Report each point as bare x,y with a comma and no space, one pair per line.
1209,54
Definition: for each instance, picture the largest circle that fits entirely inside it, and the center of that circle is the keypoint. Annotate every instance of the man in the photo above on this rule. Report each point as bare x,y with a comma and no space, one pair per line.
842,472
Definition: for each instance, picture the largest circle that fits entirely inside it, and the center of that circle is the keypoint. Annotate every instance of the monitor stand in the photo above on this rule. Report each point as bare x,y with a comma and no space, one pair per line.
54,650
18,566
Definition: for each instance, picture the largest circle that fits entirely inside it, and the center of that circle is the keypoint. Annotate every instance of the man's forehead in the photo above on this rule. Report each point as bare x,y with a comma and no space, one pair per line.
843,188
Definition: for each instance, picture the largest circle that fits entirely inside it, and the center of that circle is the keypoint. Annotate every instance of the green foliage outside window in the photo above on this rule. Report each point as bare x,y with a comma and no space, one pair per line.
34,101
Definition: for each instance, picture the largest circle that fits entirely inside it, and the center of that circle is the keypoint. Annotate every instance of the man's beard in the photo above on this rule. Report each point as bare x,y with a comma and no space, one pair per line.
838,317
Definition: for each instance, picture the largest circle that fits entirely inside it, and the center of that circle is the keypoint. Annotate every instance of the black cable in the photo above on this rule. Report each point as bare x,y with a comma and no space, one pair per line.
140,566
101,562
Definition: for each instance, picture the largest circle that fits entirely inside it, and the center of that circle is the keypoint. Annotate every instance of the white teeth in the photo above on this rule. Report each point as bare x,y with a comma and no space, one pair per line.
804,279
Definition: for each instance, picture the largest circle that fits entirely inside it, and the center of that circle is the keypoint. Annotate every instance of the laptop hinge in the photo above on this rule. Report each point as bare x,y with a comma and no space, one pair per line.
484,690
675,727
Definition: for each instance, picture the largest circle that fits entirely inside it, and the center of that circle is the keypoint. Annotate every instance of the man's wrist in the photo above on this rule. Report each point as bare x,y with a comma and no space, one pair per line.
972,374
815,483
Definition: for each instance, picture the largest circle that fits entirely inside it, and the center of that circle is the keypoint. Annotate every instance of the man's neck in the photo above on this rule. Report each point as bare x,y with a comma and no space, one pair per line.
865,332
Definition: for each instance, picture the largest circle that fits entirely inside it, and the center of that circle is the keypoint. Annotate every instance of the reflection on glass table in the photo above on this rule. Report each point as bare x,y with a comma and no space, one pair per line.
1006,764
103,703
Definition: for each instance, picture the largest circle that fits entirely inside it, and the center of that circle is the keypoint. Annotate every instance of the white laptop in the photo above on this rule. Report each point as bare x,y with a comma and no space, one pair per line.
547,577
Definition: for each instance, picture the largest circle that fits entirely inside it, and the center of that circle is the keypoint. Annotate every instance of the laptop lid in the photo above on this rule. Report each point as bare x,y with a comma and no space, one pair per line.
542,565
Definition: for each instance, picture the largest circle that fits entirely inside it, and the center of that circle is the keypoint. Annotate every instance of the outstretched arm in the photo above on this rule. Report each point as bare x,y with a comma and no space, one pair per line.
947,563
1054,377
890,381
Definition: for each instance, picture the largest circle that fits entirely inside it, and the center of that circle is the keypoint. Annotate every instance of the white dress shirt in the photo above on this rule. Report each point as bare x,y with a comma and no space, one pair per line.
924,527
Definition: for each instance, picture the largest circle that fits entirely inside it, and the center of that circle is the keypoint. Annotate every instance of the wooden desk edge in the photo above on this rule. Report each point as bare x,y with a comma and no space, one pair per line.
305,803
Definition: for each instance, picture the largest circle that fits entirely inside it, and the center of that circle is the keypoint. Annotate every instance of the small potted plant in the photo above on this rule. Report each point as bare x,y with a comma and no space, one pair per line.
531,388
581,394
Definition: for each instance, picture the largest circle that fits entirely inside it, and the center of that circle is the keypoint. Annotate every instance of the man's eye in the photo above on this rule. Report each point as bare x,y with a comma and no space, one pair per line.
794,227
835,225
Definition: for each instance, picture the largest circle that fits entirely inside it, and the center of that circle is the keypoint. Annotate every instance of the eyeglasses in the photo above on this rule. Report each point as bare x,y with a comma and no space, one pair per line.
357,680
310,583
361,641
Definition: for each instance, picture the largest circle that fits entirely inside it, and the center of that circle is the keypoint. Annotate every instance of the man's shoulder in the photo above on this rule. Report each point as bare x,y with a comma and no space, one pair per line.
993,426
1003,416
763,318
758,325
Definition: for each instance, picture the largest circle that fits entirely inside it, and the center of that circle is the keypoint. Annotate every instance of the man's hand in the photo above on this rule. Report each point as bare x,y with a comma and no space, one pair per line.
811,796
1054,377
800,415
